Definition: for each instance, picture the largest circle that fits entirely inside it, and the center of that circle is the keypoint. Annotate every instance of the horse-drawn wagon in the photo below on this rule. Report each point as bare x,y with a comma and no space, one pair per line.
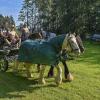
7,54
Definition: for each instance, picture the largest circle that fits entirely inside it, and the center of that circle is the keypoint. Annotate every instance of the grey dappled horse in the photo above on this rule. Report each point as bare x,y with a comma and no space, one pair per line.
56,45
67,74
47,37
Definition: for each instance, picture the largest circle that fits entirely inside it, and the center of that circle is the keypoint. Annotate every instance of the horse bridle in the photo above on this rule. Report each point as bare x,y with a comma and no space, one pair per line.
71,45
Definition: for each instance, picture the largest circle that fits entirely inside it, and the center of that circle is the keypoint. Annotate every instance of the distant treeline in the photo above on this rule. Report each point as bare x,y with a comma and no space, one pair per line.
61,16
6,22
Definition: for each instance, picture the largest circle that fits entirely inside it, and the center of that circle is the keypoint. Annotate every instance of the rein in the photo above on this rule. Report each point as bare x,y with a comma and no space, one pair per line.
71,46
67,45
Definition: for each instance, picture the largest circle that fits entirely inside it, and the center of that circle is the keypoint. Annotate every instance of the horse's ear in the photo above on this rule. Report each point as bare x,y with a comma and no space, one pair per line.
69,34
74,34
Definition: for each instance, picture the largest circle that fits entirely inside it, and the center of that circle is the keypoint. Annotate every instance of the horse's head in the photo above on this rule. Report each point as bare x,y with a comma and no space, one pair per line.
35,36
80,43
70,44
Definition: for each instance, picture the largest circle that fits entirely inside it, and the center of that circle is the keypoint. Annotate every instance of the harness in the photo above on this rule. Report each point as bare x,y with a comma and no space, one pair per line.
66,49
66,44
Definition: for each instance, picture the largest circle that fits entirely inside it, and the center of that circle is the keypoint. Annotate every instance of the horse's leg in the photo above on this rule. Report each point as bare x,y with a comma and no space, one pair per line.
41,78
68,75
59,75
66,70
51,72
16,64
28,69
38,68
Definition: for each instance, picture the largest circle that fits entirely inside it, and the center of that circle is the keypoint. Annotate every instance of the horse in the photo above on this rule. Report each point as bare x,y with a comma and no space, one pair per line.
40,35
48,37
67,73
46,53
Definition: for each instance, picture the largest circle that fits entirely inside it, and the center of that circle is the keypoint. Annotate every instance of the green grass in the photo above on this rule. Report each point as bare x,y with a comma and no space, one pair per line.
85,86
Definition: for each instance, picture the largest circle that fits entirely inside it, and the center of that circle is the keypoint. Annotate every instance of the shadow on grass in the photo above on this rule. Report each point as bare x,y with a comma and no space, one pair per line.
12,86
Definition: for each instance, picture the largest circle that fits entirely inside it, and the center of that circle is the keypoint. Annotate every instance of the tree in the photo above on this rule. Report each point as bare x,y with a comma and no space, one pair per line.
6,22
62,16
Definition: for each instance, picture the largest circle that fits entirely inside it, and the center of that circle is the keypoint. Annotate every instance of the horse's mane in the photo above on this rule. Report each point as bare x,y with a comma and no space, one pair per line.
34,36
57,41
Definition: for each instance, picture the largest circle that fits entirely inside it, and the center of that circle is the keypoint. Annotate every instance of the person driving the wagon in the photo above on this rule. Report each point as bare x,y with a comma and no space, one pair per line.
13,36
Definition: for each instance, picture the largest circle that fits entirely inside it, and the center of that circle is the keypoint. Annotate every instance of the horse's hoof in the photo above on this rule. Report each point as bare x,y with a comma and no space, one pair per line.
58,82
69,77
29,76
42,82
38,71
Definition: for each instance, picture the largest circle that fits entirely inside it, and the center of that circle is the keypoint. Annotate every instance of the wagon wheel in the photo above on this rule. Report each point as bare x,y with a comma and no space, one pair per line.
3,64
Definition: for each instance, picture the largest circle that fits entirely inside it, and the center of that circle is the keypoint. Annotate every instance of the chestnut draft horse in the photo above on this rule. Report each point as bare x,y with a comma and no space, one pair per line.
46,53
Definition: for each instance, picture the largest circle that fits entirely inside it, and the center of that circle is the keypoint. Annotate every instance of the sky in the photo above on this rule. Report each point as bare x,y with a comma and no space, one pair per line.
11,8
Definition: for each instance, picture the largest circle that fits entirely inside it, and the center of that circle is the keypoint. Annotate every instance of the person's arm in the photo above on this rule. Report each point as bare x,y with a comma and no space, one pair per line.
16,36
6,40
2,35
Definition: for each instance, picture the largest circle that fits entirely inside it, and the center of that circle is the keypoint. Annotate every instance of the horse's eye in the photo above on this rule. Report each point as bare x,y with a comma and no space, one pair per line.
70,38
72,41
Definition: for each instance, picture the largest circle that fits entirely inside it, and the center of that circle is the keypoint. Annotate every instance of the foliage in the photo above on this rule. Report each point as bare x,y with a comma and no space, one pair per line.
6,21
62,16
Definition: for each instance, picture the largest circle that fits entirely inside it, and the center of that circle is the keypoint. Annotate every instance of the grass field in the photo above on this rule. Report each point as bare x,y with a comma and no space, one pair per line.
85,86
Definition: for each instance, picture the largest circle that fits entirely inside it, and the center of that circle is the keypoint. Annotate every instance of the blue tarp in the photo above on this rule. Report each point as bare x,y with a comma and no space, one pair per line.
37,52
41,51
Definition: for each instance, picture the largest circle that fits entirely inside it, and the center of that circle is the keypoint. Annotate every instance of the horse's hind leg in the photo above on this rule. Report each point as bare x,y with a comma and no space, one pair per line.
16,64
51,71
28,69
41,78
38,68
59,75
